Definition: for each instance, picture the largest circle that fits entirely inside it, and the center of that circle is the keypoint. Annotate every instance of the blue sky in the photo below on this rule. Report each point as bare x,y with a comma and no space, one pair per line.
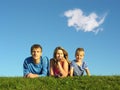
91,24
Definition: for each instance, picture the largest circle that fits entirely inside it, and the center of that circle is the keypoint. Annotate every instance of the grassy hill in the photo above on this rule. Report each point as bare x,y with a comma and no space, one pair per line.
68,83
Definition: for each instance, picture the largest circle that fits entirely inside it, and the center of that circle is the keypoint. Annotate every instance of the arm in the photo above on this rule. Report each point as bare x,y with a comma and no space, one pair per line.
71,71
51,68
87,71
31,75
86,68
63,70
45,68
26,71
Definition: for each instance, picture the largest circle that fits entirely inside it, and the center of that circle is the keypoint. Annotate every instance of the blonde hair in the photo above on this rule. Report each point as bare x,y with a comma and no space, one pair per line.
78,50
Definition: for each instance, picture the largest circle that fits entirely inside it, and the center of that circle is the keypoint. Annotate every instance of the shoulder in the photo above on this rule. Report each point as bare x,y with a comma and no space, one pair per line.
65,62
73,61
84,65
52,60
44,59
28,59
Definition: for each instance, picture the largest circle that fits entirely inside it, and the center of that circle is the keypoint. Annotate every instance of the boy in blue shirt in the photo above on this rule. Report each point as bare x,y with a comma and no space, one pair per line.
78,66
36,65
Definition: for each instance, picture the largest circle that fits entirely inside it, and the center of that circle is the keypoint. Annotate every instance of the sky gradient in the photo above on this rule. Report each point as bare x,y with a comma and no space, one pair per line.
90,24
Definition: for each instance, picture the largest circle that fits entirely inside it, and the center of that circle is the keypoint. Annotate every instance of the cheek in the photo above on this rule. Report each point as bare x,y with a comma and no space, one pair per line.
76,57
40,54
57,55
33,54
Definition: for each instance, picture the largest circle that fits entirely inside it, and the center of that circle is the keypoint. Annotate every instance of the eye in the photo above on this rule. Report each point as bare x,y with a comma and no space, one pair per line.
38,51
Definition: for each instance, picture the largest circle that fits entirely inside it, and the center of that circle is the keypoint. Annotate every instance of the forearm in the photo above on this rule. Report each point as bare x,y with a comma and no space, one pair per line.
51,71
71,71
31,75
88,72
44,73
62,71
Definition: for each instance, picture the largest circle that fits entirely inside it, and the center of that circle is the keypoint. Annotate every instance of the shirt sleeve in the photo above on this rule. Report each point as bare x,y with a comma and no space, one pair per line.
45,69
72,64
85,66
25,68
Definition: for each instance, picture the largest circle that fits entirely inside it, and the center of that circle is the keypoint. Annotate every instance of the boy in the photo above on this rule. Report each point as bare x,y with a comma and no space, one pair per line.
35,65
77,66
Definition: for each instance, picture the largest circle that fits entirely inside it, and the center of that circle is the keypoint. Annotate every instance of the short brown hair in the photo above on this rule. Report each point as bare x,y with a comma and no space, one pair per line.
36,46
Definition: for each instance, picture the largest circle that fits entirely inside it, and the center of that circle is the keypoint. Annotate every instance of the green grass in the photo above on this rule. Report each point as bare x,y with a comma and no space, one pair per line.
68,83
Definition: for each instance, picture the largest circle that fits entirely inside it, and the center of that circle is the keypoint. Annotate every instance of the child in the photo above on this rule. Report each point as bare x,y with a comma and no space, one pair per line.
78,66
59,63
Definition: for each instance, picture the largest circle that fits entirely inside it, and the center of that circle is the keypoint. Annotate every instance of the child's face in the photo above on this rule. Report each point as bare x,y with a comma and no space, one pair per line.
79,55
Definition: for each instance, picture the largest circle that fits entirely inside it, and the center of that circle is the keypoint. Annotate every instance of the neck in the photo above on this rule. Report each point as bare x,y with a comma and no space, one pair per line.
37,61
79,63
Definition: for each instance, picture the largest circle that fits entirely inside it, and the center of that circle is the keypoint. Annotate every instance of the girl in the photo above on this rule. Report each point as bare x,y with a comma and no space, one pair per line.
59,63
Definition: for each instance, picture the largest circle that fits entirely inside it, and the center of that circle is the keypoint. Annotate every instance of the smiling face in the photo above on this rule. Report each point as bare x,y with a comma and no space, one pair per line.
59,54
36,54
79,55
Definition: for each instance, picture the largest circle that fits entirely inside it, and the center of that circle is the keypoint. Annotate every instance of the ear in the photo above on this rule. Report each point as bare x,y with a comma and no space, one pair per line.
41,53
31,53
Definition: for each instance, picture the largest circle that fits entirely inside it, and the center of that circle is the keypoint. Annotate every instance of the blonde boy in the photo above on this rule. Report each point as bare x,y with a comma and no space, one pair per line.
78,66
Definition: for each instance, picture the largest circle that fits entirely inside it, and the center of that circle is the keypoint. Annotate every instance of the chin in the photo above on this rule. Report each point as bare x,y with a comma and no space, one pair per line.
79,60
35,58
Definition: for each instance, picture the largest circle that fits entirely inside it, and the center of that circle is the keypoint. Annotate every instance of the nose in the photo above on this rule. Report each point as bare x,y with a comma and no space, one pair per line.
35,53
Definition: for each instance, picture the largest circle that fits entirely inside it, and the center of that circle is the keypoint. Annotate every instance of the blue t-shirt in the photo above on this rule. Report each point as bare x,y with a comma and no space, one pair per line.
78,70
42,68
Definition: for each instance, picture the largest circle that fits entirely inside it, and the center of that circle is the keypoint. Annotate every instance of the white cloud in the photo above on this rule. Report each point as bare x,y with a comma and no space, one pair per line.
90,23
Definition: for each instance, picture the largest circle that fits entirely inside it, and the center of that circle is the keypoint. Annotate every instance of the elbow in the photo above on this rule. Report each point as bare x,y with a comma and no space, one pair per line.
65,74
89,74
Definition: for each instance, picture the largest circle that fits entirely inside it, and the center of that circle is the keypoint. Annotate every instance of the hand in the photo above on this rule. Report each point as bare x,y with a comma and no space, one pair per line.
31,75
57,62
58,75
